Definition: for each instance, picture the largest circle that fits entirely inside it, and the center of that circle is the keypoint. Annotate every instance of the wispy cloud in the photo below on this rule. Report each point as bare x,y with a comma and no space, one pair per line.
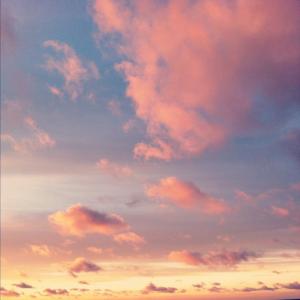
75,71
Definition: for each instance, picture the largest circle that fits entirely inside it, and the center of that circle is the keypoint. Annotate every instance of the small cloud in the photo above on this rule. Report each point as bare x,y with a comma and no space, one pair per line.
199,285
129,125
41,250
37,138
55,91
129,237
114,169
150,288
75,72
80,265
23,285
114,107
186,195
56,292
280,211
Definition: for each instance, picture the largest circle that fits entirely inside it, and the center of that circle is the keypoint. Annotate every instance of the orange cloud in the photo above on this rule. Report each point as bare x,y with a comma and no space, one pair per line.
80,265
212,259
230,56
186,195
114,169
79,220
73,70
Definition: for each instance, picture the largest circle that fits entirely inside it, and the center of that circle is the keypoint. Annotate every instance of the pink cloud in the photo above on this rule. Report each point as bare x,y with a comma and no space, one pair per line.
129,237
73,70
150,288
212,259
280,211
80,265
79,220
8,293
55,91
186,195
41,250
36,139
114,169
231,54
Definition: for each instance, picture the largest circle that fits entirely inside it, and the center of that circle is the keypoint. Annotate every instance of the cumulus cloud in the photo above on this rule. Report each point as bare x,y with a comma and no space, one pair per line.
56,292
74,71
23,285
235,59
79,220
187,195
80,265
150,288
113,168
8,293
212,259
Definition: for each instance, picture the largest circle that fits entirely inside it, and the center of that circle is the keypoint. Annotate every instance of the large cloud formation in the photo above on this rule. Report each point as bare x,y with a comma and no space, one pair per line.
199,72
212,259
186,195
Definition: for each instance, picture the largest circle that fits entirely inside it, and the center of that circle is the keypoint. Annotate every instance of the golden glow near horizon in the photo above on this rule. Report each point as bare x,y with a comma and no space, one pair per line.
150,149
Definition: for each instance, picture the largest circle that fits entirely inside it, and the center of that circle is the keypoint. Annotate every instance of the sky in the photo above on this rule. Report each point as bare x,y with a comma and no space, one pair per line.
150,149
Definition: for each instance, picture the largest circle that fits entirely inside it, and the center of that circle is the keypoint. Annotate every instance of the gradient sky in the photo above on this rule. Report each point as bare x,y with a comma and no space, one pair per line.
150,149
